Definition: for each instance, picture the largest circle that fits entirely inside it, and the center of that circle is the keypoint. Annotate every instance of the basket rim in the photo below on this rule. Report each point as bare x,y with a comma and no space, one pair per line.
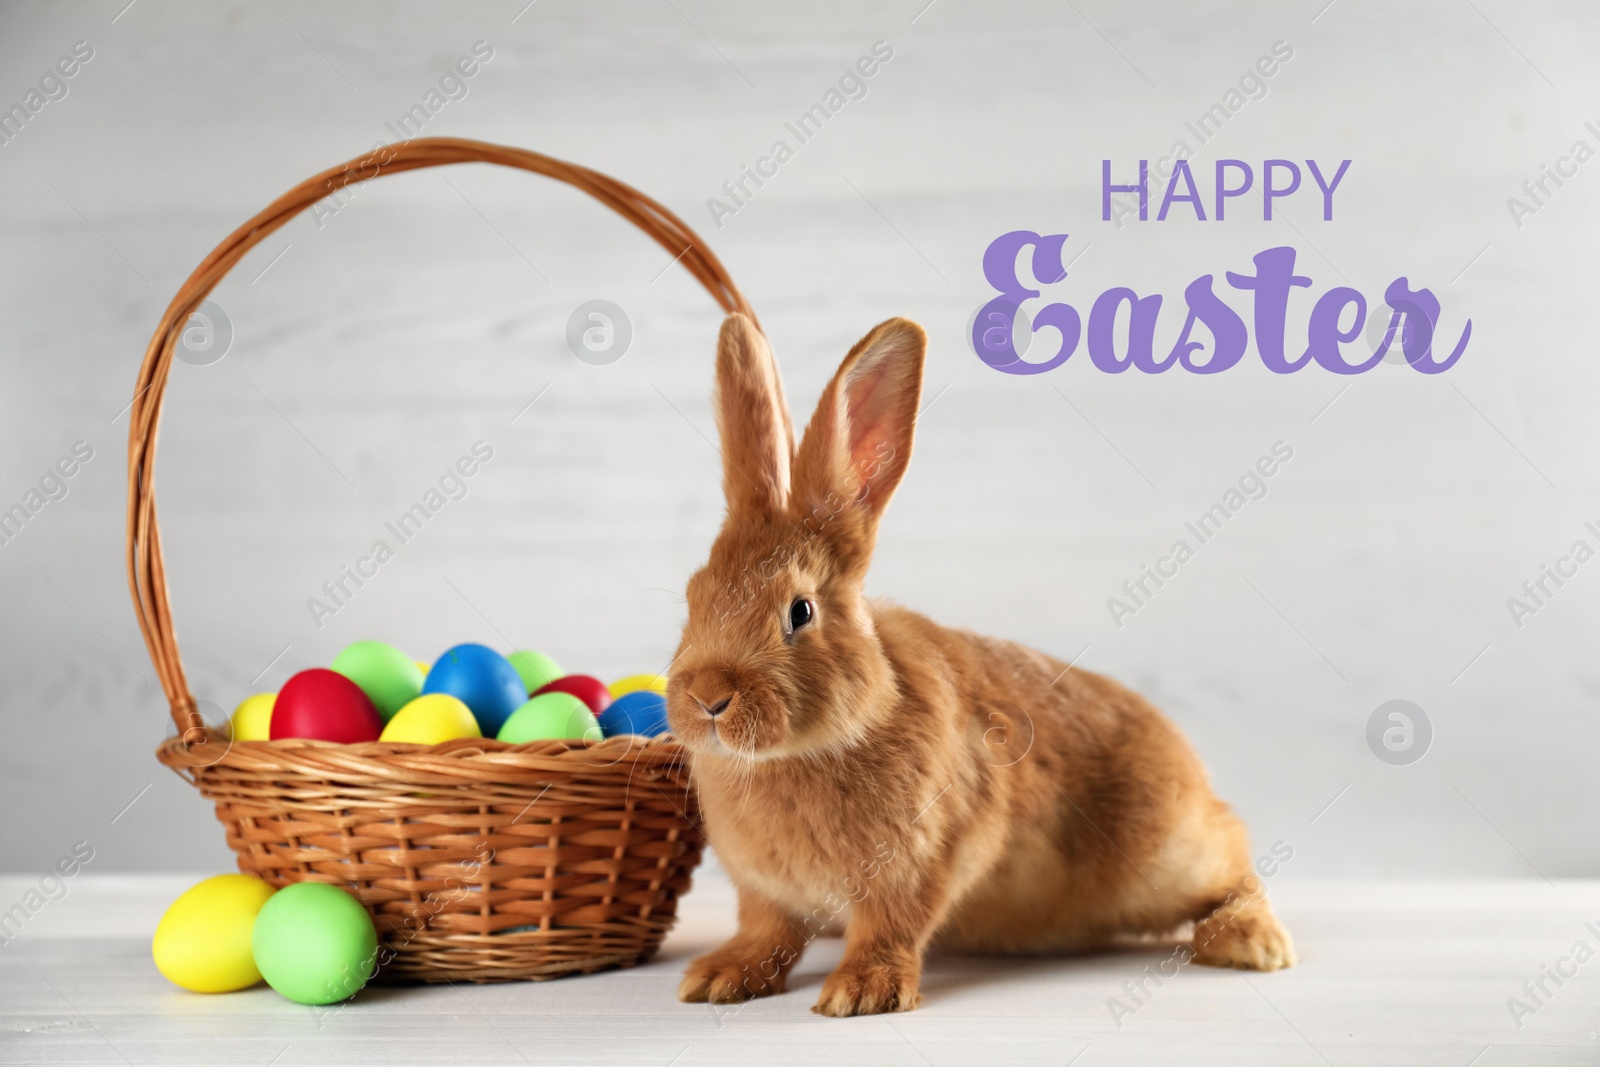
481,759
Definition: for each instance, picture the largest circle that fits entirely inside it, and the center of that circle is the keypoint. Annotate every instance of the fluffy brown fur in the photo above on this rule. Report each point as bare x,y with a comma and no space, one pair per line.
914,783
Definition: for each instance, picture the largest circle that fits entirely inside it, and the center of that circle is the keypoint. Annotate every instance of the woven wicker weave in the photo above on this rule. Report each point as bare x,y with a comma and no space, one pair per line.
478,860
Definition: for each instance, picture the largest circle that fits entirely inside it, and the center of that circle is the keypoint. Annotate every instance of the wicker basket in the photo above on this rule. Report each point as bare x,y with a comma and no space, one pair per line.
478,860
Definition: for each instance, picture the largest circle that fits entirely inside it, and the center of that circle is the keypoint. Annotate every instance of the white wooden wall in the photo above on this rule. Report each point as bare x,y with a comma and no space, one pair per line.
371,351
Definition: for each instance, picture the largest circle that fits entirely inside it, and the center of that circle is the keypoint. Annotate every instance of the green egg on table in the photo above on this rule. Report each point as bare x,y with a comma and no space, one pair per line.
431,720
202,943
389,677
252,719
535,669
315,943
551,717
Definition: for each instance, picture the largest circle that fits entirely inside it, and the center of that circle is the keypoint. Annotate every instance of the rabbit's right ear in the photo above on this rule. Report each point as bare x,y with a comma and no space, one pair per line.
753,419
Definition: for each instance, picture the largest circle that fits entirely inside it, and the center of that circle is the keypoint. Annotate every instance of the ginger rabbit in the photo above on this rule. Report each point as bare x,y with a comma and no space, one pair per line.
860,765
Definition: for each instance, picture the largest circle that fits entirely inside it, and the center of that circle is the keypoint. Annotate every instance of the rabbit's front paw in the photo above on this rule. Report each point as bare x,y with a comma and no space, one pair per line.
728,976
869,989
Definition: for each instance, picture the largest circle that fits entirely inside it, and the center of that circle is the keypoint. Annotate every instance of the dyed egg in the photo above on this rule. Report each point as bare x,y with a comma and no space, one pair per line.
633,683
592,691
483,680
203,941
551,717
642,712
315,943
326,706
423,667
252,719
430,720
535,669
388,676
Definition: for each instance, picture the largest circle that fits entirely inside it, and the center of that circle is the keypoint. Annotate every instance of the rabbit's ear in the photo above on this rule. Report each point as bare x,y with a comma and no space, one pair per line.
753,419
858,443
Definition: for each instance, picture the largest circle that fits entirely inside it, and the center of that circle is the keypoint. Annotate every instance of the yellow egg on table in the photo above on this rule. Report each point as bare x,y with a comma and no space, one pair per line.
656,683
203,941
431,719
252,719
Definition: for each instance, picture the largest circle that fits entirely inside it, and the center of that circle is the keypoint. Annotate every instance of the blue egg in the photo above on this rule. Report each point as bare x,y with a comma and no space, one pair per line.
483,680
642,712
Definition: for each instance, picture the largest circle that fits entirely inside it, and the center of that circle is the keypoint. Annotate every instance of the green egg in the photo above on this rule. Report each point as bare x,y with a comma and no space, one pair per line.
535,669
551,717
314,943
389,677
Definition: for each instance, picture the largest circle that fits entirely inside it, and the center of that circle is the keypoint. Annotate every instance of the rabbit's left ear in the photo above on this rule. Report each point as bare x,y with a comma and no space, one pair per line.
757,438
858,443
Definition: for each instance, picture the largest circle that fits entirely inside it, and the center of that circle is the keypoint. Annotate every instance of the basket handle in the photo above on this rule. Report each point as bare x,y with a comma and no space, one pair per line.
147,578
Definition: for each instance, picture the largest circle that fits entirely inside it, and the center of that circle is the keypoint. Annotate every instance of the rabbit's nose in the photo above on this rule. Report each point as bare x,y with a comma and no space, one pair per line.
713,710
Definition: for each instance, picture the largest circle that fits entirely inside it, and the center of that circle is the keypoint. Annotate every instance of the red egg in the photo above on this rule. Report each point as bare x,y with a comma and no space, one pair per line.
325,706
592,691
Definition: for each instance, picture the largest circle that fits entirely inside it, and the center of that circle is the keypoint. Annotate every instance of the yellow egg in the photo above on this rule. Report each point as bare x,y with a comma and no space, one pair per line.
423,667
252,719
634,682
203,941
430,719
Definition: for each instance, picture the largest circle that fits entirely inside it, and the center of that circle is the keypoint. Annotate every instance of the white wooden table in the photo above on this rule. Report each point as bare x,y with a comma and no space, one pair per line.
1391,973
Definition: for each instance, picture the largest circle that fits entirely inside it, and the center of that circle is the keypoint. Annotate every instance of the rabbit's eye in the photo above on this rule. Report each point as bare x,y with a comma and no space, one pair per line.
800,613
